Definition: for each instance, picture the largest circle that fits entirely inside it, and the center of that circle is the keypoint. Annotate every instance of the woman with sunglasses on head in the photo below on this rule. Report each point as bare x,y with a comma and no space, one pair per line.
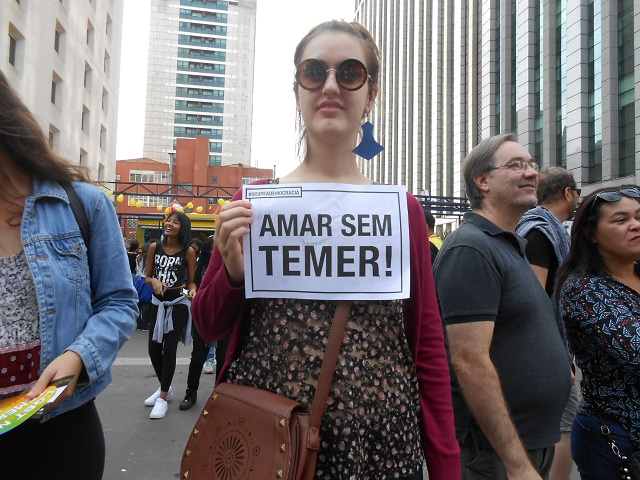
599,286
336,84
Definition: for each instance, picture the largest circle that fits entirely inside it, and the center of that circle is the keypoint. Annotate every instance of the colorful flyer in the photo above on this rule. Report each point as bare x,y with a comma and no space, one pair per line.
17,409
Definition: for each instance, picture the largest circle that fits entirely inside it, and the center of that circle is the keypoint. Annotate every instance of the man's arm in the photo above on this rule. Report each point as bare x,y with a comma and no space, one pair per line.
469,345
542,273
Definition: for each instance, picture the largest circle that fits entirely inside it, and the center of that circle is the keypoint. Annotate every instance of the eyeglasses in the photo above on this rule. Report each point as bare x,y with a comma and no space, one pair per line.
612,196
518,166
577,190
350,75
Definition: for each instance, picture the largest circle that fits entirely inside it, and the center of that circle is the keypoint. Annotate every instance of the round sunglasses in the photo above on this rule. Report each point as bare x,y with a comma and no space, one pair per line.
612,196
351,74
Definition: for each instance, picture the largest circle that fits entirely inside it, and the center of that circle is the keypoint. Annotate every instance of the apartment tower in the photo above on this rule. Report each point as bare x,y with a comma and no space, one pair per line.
200,78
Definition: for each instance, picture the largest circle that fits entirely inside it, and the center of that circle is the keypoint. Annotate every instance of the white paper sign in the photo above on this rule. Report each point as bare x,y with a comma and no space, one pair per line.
327,241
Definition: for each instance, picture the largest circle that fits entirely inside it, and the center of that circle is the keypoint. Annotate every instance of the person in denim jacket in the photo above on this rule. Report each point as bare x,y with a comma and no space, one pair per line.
65,308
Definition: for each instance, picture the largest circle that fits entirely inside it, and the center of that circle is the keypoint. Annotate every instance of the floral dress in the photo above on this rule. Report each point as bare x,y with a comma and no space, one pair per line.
370,427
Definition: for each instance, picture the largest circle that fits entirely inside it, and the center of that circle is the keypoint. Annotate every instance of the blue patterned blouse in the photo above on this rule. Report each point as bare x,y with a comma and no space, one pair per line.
602,319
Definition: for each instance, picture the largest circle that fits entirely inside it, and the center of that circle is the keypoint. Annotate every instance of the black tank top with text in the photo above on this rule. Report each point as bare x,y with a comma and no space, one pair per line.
170,269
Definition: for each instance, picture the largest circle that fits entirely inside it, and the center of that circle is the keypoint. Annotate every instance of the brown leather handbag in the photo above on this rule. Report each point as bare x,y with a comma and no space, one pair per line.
252,434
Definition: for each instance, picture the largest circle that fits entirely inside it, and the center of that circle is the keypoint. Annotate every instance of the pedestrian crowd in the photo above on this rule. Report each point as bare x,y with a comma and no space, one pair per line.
469,375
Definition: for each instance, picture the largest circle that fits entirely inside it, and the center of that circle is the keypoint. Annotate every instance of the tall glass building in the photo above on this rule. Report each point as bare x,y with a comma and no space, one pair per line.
200,78
559,73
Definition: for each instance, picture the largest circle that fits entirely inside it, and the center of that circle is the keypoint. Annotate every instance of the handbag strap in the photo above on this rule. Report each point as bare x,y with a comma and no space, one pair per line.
336,336
604,430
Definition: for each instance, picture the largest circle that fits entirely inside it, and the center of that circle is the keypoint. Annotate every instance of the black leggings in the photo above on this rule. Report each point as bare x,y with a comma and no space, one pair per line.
163,355
198,357
69,446
221,354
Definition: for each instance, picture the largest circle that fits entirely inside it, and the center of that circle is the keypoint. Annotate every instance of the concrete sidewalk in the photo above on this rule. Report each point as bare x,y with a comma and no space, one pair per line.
139,448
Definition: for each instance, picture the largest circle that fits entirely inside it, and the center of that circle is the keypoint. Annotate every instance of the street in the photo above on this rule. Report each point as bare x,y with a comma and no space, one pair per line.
139,448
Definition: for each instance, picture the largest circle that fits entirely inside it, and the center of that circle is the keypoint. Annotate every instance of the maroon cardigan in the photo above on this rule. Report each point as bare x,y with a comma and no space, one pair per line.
219,308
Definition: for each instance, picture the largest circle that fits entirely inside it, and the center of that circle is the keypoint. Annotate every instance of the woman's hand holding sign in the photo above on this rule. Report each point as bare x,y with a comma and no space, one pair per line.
233,223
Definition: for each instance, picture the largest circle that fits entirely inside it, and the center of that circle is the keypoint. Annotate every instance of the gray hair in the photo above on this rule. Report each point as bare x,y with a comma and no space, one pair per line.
479,160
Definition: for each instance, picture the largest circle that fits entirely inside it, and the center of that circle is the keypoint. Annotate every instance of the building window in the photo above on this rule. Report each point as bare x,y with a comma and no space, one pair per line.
16,46
54,85
109,27
54,137
117,177
105,100
188,186
83,158
90,35
58,39
12,50
107,63
101,170
151,201
103,137
214,179
85,119
148,176
87,76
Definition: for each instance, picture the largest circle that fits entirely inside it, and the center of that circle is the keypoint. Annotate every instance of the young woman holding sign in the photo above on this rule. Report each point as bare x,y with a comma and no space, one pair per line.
390,407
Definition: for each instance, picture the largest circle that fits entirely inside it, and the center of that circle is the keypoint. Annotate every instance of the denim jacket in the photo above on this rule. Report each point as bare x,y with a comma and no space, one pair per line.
91,316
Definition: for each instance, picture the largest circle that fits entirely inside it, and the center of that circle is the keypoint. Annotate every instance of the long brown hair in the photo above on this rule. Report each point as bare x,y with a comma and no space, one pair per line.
23,143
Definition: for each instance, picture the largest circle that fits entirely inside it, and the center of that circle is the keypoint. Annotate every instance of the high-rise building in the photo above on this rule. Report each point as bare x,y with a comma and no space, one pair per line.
563,75
63,58
200,78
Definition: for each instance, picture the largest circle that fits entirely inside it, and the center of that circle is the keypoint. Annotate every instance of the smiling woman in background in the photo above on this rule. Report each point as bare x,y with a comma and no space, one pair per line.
600,301
171,266
66,308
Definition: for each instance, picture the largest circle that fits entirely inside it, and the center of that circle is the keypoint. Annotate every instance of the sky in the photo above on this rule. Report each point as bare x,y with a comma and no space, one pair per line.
278,30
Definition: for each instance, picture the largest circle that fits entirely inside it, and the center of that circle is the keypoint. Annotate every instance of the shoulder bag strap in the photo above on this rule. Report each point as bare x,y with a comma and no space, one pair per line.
336,335
78,213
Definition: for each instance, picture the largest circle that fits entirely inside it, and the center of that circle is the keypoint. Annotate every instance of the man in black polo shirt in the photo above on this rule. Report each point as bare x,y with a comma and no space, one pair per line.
510,375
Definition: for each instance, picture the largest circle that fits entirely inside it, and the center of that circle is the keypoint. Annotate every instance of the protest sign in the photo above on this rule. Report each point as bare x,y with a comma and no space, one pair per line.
327,241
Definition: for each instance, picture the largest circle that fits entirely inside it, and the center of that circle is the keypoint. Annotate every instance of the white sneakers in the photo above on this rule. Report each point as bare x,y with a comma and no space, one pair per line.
159,409
151,401
209,365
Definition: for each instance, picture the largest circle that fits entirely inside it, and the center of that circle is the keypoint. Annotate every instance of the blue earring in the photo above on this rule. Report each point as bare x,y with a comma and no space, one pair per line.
368,147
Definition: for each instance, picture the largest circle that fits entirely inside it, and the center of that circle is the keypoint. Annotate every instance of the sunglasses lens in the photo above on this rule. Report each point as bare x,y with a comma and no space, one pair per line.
351,74
630,192
609,196
311,74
